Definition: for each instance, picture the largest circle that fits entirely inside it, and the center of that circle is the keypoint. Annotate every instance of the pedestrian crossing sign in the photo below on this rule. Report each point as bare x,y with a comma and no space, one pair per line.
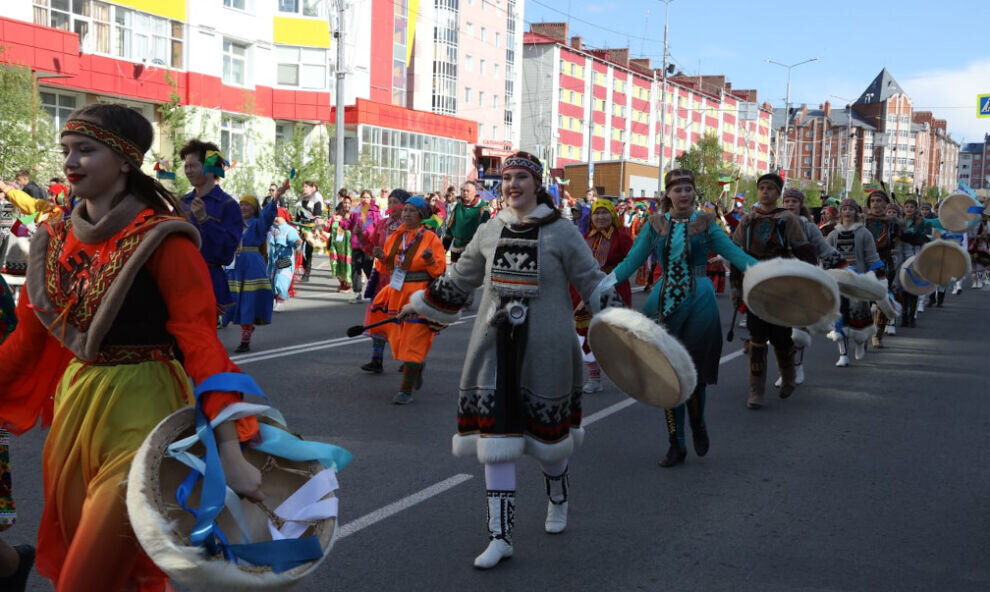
983,105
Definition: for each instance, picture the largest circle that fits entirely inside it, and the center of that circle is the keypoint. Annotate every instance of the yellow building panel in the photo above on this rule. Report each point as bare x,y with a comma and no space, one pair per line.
301,31
172,9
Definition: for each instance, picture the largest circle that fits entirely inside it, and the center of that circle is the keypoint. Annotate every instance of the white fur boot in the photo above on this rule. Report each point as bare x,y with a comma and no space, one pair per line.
557,506
501,515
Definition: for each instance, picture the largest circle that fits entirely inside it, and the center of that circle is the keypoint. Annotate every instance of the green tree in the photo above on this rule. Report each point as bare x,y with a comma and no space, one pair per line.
27,140
706,160
173,129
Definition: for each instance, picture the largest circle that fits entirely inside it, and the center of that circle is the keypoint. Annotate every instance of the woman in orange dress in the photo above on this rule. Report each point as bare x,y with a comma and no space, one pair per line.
116,295
414,256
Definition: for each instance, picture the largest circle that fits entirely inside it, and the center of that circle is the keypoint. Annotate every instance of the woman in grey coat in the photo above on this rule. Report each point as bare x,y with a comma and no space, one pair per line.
520,390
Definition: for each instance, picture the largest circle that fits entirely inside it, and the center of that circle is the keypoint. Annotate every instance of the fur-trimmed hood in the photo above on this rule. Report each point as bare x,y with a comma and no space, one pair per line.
541,212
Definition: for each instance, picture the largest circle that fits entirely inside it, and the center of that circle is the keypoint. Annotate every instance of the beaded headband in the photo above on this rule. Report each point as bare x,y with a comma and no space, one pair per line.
115,142
678,176
523,160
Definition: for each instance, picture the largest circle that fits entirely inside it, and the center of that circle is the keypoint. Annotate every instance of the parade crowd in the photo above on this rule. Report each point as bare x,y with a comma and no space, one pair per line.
118,288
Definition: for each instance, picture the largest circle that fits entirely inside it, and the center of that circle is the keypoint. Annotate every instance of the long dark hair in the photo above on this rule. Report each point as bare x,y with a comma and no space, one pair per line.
130,124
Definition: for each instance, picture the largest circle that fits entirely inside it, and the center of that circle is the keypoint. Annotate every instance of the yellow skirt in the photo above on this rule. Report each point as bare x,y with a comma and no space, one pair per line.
102,415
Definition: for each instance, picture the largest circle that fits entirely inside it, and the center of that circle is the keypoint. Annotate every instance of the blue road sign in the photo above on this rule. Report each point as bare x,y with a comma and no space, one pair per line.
983,105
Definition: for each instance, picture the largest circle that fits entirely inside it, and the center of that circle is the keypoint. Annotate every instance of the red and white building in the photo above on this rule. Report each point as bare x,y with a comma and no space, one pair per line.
251,71
600,105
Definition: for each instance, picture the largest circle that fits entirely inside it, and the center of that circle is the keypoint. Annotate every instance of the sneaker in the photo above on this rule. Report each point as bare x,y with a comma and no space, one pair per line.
243,347
890,330
277,307
875,342
402,398
843,361
357,298
799,374
592,386
742,323
374,366
860,351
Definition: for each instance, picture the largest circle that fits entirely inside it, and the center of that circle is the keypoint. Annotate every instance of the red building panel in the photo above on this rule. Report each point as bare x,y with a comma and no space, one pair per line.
727,137
396,117
597,143
729,118
382,19
616,146
599,66
570,138
569,82
568,110
637,151
639,128
619,98
599,92
711,122
598,117
618,122
640,105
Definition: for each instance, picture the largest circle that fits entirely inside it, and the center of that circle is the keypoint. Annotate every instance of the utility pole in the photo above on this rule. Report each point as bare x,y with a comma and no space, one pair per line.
663,96
338,167
787,109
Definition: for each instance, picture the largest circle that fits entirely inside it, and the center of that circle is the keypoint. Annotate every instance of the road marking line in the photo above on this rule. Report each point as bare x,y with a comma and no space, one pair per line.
403,504
449,483
302,348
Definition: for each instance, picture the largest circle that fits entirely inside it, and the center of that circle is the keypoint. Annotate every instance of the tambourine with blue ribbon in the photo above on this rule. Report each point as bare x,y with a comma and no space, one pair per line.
200,532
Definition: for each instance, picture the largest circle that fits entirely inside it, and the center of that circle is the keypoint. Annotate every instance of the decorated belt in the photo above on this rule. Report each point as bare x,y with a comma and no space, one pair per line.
250,250
116,355
418,276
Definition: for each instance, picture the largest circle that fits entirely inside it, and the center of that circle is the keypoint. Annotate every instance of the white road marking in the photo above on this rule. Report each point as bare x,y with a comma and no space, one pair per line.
403,504
303,348
451,482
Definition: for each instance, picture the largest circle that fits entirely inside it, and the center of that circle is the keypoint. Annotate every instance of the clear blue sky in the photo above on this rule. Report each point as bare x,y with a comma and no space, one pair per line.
936,51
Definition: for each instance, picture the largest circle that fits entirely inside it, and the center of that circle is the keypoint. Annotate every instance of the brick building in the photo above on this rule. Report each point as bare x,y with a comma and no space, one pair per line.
879,137
600,105
974,164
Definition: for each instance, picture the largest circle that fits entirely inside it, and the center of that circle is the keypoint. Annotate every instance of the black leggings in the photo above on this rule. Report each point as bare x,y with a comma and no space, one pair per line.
307,258
761,331
361,262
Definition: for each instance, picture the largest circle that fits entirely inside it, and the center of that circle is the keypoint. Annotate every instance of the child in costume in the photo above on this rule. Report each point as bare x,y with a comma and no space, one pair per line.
283,242
248,280
385,227
520,390
885,231
116,294
339,248
609,243
858,250
683,301
414,257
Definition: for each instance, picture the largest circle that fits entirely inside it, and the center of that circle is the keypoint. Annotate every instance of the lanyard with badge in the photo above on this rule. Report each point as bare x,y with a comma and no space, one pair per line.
399,274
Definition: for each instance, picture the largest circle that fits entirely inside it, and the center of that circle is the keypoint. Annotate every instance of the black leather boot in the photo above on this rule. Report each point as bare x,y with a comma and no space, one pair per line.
675,455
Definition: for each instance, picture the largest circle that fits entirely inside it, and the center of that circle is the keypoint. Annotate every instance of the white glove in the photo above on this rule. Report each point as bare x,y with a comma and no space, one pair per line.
595,302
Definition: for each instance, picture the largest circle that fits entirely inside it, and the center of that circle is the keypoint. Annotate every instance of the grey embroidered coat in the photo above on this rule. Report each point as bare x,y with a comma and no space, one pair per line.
550,373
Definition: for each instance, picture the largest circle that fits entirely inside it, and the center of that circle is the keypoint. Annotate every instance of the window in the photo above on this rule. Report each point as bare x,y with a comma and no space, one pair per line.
482,67
498,39
314,8
494,132
496,70
234,62
301,67
481,98
468,63
495,101
483,31
58,106
111,30
470,29
467,95
237,4
233,138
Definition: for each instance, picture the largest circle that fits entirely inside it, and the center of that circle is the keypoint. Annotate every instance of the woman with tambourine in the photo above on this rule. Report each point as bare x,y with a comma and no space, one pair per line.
683,300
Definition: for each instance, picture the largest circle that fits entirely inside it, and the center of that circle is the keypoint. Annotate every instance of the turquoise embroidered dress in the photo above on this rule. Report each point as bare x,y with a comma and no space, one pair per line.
683,301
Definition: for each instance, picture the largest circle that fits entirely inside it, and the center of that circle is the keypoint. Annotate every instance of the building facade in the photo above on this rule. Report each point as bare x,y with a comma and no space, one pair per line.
974,165
250,73
600,105
880,137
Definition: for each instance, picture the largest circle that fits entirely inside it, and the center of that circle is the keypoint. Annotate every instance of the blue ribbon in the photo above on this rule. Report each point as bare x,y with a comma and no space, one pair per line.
915,280
281,555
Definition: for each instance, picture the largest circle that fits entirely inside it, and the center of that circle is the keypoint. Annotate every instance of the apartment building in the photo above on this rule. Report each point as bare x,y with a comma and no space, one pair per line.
250,72
600,105
974,164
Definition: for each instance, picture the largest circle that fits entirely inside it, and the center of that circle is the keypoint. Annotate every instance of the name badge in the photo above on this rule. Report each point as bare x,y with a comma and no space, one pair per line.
398,278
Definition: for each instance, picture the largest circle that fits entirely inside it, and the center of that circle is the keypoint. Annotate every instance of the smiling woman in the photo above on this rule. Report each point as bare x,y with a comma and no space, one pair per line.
115,295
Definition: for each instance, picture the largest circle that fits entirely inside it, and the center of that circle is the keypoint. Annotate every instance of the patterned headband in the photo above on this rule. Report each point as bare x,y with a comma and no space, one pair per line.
115,142
521,162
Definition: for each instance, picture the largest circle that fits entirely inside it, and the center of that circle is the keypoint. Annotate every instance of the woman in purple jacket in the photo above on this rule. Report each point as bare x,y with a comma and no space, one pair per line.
362,223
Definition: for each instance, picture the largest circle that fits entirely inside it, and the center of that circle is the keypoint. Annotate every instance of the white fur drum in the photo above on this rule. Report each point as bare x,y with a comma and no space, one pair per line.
942,261
859,286
912,281
162,526
641,358
959,212
790,292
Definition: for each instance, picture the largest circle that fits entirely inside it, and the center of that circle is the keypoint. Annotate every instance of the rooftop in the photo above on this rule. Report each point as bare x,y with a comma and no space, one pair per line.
882,88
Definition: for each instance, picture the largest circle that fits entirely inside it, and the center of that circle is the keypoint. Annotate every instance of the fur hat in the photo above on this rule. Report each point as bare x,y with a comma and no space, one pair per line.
527,162
851,203
678,176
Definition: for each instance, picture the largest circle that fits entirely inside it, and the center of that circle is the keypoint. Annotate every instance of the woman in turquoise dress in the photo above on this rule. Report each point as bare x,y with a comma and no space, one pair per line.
683,300
248,277
283,240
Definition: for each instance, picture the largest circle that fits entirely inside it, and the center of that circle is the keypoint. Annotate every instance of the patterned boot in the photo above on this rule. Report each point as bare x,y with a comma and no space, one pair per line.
788,374
501,515
557,506
757,375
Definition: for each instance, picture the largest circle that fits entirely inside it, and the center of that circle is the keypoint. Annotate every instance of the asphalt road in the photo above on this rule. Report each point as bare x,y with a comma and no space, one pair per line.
872,477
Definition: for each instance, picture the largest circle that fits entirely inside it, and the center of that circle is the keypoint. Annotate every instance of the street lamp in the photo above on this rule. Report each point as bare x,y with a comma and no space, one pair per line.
663,96
787,100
